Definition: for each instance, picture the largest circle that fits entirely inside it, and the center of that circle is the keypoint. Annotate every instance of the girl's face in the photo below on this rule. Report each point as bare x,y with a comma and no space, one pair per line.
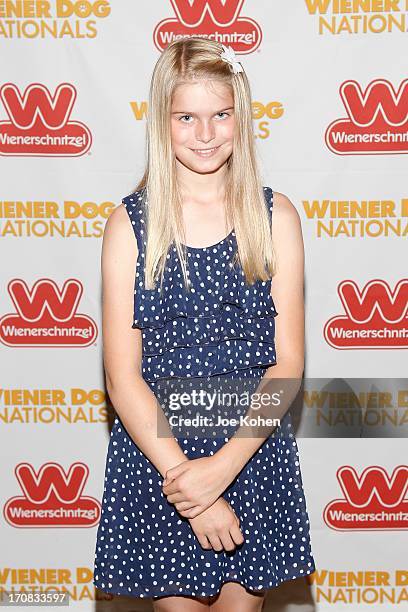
202,125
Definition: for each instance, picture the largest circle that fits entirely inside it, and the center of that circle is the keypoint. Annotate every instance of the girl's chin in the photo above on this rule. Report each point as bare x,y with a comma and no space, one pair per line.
198,164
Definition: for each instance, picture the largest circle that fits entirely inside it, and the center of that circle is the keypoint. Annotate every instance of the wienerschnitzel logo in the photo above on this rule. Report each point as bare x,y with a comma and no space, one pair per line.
376,122
376,317
373,500
216,19
39,123
52,498
46,316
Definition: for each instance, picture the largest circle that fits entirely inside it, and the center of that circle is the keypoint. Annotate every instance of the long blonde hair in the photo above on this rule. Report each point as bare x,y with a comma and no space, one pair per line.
183,61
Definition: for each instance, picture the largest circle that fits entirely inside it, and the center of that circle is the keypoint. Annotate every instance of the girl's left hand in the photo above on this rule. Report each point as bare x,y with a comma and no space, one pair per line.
194,485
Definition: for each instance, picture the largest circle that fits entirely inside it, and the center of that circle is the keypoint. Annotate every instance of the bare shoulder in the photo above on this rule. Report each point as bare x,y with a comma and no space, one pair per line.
284,207
286,221
118,233
118,220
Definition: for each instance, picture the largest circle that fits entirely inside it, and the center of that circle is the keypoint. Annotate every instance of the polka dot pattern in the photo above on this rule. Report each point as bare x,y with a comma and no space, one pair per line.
223,327
220,325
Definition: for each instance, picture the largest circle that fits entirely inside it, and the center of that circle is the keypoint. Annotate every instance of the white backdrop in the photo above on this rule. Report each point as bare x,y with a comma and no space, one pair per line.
330,94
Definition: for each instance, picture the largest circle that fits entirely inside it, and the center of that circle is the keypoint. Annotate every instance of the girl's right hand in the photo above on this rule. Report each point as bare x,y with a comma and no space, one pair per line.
217,527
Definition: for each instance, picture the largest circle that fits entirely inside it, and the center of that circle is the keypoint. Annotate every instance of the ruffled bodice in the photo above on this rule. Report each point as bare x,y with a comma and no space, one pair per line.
222,324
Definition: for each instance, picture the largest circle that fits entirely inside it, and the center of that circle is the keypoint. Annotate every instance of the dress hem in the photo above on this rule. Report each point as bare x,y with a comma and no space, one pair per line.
117,590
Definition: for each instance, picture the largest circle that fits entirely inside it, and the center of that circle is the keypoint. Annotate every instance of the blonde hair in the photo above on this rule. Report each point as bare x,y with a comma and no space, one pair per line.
184,61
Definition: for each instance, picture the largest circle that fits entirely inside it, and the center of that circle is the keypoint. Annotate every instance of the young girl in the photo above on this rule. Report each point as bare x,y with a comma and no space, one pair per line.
187,266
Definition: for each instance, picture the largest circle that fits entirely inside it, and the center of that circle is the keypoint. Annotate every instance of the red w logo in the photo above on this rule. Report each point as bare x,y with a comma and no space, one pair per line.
37,104
373,500
374,483
375,299
219,19
220,13
371,115
376,316
379,101
45,299
52,480
52,498
46,316
39,123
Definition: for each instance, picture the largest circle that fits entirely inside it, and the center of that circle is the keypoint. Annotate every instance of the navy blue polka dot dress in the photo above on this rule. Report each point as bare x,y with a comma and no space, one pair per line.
222,327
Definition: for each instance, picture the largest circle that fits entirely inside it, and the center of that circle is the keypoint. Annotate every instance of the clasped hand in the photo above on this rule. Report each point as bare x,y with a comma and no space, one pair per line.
195,484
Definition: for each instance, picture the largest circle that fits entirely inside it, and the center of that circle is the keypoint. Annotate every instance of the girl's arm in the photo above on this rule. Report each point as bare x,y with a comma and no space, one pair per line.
132,398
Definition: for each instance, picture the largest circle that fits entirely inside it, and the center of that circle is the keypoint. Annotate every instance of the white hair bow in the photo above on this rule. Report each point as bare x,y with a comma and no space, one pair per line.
228,55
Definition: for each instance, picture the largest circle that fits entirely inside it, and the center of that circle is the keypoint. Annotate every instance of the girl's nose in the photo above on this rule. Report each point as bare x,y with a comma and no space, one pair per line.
205,131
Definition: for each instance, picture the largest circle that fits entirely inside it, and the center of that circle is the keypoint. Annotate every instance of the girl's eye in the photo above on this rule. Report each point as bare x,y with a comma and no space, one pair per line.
183,116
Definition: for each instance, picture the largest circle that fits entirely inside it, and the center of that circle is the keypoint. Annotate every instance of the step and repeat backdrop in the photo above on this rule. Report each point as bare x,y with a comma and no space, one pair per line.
330,111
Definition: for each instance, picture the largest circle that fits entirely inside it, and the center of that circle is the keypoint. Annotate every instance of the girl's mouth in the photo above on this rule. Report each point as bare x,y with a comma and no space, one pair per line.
206,152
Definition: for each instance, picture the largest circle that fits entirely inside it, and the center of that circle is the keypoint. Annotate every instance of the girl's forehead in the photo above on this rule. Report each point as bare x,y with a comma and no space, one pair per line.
202,91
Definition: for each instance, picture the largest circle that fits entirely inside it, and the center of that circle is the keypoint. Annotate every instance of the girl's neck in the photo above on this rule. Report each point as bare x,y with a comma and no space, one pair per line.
202,187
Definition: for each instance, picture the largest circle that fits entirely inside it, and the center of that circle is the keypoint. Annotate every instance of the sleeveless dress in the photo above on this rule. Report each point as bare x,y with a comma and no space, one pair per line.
223,328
